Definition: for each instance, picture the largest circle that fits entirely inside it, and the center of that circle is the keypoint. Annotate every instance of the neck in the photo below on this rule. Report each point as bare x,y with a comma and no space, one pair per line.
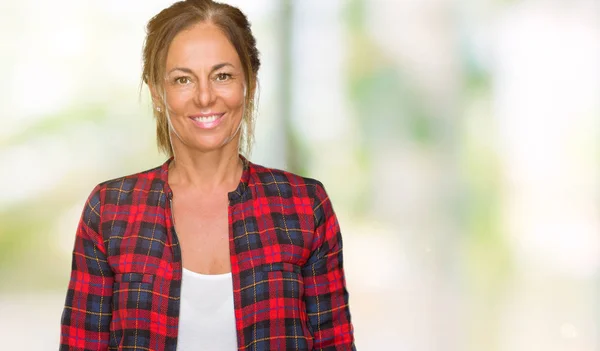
206,171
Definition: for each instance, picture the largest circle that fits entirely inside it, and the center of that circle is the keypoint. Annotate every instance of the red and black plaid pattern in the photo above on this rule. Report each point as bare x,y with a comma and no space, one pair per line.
286,258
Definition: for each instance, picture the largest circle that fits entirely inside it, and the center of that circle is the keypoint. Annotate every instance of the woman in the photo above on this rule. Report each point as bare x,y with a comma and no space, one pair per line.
208,251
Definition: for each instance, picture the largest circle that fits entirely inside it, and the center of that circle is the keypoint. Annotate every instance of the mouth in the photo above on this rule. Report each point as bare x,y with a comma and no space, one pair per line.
207,121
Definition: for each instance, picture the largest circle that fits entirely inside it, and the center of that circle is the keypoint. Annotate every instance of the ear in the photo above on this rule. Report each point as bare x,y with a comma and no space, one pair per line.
156,98
254,82
252,87
154,95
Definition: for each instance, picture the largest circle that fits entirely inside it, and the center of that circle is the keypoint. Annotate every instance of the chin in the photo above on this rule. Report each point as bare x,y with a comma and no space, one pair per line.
212,144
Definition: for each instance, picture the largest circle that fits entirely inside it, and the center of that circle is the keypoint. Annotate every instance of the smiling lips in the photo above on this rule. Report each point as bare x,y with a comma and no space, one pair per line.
207,121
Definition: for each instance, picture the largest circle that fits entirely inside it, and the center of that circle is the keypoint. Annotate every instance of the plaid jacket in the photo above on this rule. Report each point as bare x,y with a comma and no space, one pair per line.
286,260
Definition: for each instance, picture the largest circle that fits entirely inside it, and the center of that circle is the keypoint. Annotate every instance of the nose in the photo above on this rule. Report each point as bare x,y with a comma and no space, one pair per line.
205,94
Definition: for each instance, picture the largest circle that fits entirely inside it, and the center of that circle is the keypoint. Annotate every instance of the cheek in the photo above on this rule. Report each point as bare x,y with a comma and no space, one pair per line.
234,98
178,100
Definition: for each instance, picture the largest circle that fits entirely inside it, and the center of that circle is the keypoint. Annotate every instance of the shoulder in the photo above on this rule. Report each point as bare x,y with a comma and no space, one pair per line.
120,190
276,182
129,181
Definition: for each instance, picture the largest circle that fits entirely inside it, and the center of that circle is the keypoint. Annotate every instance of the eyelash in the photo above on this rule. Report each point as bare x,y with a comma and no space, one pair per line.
219,77
179,79
225,76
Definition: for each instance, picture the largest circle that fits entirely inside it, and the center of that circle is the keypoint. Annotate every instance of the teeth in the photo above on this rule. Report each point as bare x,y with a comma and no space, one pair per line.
207,119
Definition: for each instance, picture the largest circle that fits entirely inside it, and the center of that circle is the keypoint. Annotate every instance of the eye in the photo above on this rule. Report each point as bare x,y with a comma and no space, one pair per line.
222,77
182,80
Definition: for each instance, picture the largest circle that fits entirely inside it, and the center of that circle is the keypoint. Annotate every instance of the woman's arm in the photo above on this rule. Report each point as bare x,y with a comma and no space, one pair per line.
325,291
87,314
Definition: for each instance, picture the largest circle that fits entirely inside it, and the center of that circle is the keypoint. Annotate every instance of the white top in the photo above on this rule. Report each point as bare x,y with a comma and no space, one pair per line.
206,315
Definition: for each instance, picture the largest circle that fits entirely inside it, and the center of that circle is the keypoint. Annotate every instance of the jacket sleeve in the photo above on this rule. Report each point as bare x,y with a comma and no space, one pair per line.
325,291
87,313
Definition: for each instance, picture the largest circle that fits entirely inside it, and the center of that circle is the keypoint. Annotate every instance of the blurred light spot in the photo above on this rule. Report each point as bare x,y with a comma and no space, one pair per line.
568,331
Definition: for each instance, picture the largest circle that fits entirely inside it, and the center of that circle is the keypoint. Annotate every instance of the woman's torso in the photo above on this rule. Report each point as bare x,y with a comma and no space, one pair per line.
270,227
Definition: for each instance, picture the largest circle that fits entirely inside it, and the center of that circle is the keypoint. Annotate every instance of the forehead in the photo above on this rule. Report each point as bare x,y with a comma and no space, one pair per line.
201,45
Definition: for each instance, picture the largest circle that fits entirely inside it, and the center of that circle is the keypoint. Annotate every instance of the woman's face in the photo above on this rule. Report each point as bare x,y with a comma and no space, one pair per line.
204,89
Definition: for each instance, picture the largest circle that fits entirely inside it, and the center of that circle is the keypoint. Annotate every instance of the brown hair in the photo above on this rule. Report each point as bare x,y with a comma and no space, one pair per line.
161,30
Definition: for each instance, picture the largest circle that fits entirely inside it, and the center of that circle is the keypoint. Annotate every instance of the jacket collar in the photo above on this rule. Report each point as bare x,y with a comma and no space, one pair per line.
235,195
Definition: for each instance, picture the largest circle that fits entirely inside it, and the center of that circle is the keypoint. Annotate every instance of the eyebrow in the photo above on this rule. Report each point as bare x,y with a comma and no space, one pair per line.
189,71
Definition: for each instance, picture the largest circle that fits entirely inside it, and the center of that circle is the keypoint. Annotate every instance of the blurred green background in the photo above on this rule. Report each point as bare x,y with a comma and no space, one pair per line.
458,139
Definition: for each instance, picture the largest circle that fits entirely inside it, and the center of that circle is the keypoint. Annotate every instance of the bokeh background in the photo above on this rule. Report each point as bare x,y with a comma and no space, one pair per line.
459,141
